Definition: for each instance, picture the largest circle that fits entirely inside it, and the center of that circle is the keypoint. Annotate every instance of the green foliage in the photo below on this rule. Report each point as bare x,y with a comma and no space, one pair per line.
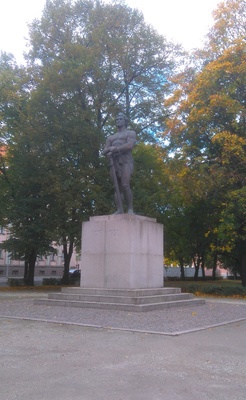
229,26
16,282
218,290
220,287
51,282
207,131
149,180
101,58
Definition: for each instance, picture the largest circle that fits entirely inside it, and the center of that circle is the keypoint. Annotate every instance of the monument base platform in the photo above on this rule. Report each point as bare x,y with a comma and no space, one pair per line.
136,300
122,252
122,268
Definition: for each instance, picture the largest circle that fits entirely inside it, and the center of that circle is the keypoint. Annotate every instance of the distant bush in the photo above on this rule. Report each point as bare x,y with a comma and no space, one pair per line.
51,282
191,279
13,282
218,290
74,281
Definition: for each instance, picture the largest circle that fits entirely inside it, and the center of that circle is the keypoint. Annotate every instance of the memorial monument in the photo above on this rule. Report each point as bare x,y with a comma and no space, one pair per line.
122,250
122,253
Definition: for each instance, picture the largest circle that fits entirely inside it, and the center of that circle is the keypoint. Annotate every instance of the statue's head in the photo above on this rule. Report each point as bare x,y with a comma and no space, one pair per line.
124,117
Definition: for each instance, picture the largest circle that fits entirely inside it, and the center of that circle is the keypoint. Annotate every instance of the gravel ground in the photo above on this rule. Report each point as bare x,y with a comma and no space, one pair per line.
172,321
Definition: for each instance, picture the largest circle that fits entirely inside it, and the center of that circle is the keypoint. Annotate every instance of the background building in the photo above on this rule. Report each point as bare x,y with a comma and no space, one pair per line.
50,266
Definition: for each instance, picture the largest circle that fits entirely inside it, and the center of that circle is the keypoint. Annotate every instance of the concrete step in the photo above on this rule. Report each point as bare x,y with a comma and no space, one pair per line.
121,292
120,299
120,306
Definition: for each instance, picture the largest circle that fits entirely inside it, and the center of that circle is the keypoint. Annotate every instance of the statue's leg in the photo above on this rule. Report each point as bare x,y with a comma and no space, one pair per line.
118,206
125,183
117,202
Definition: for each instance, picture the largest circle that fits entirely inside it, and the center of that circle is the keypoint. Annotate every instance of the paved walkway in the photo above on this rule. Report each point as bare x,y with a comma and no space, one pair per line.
171,322
64,361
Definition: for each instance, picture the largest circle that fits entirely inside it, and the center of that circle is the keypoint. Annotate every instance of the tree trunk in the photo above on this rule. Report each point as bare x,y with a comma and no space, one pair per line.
26,270
67,252
243,264
215,265
30,265
196,264
182,273
127,96
203,269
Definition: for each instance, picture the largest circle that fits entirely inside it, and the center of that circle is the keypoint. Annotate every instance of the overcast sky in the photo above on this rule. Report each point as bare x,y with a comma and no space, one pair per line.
183,21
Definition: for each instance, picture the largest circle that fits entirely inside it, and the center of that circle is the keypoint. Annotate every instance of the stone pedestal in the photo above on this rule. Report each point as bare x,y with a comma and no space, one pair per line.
122,252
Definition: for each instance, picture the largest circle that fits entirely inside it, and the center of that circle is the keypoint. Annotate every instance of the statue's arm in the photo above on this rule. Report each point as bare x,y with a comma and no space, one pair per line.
107,147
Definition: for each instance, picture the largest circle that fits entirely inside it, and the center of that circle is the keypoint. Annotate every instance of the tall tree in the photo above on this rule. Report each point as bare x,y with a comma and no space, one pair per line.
24,207
229,26
208,128
109,58
88,60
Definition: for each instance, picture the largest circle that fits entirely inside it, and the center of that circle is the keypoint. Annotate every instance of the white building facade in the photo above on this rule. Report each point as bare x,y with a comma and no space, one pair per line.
48,266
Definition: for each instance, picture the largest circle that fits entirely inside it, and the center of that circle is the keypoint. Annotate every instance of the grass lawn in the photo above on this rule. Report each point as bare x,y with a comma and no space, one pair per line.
38,288
200,282
218,288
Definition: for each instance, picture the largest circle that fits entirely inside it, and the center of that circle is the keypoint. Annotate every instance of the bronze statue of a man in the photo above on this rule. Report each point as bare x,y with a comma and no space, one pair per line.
118,148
